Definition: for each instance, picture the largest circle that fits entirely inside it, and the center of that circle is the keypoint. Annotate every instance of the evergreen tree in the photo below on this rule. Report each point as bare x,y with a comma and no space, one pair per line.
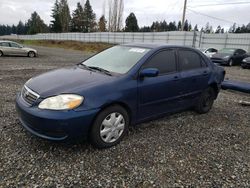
64,15
77,19
189,27
186,25
102,24
164,26
89,18
20,29
179,26
196,28
232,29
56,22
172,26
13,29
218,30
36,24
131,23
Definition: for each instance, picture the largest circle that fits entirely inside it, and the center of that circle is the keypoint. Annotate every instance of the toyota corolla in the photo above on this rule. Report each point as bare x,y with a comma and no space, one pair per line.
124,85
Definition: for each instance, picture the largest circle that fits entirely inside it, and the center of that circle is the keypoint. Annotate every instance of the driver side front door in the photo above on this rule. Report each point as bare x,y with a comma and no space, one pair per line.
160,94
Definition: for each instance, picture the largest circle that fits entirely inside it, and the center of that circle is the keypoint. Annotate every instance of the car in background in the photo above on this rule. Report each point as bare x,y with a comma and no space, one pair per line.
13,48
208,51
245,63
121,86
229,56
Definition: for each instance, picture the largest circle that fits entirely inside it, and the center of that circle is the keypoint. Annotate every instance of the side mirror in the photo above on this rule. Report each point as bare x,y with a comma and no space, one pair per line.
149,72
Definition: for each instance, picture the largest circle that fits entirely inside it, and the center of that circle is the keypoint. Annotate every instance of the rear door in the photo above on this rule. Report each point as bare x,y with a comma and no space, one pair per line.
16,49
5,47
194,73
157,95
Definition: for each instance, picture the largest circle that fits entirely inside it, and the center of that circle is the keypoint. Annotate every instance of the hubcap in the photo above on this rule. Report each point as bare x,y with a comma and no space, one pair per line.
32,54
112,127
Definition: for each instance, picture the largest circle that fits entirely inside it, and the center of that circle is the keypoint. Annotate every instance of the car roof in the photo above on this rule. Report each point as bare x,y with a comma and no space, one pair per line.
154,45
6,41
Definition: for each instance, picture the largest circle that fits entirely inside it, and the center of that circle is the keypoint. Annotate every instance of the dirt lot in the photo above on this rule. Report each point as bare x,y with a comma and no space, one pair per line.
184,149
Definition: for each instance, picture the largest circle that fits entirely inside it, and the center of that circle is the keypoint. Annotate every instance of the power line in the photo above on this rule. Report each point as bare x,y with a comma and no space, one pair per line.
220,19
218,4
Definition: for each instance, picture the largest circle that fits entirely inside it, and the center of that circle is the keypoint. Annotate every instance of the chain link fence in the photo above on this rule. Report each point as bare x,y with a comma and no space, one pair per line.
194,39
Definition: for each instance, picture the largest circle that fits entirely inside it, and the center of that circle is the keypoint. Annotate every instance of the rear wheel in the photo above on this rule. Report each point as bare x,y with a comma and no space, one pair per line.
230,63
1,53
109,127
31,54
205,101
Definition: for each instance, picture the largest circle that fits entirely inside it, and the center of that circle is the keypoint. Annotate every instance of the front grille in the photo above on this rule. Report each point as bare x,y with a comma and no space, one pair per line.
29,96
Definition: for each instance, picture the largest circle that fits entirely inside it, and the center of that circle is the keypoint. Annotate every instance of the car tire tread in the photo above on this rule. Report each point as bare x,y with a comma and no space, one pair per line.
200,107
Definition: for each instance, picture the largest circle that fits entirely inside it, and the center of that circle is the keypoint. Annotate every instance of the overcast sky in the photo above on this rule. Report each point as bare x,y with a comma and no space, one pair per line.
146,11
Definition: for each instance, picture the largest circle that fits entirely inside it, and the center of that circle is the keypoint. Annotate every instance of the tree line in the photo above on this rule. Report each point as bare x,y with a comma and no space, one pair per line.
83,19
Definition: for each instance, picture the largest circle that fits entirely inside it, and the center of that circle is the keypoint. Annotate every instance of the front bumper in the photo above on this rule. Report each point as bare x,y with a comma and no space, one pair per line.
220,61
245,64
55,125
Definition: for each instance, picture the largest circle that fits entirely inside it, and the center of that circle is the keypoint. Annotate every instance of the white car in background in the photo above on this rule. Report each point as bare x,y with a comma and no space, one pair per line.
13,48
209,52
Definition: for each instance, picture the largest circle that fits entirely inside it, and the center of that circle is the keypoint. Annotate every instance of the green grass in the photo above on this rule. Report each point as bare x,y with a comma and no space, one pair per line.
73,45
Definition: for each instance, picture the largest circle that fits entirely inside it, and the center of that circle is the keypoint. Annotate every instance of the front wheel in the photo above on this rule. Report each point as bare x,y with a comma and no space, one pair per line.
109,127
31,54
205,101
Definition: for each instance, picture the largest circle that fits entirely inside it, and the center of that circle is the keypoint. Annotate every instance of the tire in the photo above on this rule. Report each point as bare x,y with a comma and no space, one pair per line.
1,53
31,54
206,100
109,127
230,63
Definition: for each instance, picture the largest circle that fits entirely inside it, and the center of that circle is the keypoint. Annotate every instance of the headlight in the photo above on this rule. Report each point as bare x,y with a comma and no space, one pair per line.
61,102
244,60
226,57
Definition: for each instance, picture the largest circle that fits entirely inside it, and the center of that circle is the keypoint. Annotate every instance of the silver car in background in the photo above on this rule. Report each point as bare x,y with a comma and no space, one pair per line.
13,48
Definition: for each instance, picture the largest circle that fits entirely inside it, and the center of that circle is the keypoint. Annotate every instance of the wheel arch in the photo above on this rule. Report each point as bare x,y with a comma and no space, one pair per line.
118,103
31,51
105,106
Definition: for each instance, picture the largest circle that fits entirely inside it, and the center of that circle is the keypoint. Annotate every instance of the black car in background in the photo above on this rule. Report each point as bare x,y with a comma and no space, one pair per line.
229,56
246,63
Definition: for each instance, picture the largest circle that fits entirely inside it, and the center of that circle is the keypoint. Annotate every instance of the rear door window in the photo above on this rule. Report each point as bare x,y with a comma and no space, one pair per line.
189,60
5,44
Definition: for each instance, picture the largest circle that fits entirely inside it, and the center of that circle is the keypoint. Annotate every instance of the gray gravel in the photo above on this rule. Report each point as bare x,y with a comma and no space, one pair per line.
181,150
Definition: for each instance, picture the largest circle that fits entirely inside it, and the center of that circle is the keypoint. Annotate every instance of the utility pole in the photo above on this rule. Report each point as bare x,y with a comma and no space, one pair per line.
183,15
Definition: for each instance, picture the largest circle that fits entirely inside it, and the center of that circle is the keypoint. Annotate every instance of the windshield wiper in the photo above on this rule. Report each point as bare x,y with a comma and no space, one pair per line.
100,69
84,66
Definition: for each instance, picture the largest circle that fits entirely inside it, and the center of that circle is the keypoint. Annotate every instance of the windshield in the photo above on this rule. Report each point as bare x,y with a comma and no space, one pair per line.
118,59
227,51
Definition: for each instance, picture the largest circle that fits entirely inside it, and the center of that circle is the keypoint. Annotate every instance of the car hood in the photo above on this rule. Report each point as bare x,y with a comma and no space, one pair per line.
222,55
66,80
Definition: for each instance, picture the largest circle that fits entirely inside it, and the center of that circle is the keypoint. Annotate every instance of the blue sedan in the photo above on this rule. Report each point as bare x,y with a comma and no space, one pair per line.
124,85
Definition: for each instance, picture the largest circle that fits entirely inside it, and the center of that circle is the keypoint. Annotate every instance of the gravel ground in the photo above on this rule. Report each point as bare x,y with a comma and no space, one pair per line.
181,150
